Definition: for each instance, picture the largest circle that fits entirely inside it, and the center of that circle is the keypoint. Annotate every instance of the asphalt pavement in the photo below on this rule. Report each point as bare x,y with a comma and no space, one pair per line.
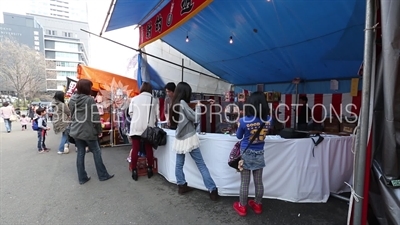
43,189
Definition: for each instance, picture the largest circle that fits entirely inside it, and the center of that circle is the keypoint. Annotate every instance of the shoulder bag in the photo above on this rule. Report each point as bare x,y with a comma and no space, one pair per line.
13,118
235,156
156,136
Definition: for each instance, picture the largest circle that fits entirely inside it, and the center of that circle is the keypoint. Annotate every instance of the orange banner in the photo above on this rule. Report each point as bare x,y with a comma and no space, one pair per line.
174,14
103,80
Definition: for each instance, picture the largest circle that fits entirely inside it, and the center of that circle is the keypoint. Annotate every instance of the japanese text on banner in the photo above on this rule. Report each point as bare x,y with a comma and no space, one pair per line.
174,14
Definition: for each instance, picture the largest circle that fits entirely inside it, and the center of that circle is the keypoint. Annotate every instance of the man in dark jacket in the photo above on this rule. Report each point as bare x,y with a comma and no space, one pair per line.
169,90
303,114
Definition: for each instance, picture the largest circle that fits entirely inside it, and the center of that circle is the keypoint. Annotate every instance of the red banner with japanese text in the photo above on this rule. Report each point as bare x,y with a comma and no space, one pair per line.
175,13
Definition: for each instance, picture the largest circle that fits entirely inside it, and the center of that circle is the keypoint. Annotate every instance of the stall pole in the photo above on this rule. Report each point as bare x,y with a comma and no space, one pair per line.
112,118
360,157
183,66
297,101
340,197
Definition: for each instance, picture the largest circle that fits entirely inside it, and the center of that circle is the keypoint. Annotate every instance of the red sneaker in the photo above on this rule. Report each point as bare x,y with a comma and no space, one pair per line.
241,210
257,208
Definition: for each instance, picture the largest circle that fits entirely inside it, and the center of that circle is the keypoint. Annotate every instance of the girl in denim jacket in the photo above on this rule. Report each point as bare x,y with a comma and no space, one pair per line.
256,114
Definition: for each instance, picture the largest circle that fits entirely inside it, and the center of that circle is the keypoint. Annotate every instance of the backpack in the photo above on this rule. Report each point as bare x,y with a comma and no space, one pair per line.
35,125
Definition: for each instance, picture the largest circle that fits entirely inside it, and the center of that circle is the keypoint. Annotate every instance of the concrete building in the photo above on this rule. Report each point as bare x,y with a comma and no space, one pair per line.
52,27
25,30
65,46
63,9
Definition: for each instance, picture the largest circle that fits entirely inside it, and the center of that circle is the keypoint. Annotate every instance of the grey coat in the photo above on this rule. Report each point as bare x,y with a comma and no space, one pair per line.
187,118
61,116
85,117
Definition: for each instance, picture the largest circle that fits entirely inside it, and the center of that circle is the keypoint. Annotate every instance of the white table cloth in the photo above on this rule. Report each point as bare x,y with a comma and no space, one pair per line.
292,173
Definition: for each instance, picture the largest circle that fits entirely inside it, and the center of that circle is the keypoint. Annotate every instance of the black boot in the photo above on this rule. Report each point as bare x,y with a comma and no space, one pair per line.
149,171
134,174
214,195
182,189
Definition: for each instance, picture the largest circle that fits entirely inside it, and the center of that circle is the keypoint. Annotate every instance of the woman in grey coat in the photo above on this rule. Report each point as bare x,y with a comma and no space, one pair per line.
61,121
86,129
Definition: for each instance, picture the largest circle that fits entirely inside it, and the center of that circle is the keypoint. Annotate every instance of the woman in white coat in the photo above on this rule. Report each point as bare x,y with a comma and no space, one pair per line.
6,112
139,110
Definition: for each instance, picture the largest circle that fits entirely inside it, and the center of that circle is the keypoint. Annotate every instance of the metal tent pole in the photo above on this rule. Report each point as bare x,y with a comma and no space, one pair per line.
183,67
360,157
340,197
112,119
112,3
148,14
297,108
156,57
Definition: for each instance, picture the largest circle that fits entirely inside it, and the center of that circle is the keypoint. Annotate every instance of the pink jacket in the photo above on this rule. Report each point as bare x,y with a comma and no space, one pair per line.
24,121
6,112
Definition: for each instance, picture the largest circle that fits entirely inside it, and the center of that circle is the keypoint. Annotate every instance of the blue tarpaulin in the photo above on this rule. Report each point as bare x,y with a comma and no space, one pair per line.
146,73
273,41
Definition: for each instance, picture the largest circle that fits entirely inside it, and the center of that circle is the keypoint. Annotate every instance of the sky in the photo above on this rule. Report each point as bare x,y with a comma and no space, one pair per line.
104,55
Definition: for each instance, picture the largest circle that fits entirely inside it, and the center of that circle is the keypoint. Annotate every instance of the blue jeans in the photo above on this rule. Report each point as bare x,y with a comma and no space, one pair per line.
198,158
98,161
41,140
7,123
64,140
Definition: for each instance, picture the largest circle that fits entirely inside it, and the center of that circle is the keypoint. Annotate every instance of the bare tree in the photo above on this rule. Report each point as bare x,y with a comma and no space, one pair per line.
22,69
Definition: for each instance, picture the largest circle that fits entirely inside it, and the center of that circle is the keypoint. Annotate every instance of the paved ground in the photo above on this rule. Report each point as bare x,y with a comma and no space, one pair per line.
43,189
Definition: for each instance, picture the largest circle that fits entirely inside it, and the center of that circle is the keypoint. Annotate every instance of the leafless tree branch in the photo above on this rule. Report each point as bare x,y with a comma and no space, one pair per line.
22,69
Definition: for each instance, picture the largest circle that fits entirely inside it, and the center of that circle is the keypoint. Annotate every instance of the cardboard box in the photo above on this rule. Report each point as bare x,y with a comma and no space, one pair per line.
332,125
348,127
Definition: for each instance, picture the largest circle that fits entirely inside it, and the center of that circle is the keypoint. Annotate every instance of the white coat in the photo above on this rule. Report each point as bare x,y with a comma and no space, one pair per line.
139,112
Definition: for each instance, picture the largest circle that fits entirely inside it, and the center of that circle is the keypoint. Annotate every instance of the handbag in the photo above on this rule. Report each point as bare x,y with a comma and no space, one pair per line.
71,140
235,156
13,118
156,136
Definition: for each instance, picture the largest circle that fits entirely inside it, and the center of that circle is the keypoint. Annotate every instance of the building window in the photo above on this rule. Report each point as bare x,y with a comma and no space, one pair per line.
68,56
67,34
67,64
36,32
51,32
71,47
61,75
36,38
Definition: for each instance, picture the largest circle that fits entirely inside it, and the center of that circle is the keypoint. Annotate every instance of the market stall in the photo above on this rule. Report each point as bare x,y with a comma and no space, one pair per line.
112,93
325,47
296,170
